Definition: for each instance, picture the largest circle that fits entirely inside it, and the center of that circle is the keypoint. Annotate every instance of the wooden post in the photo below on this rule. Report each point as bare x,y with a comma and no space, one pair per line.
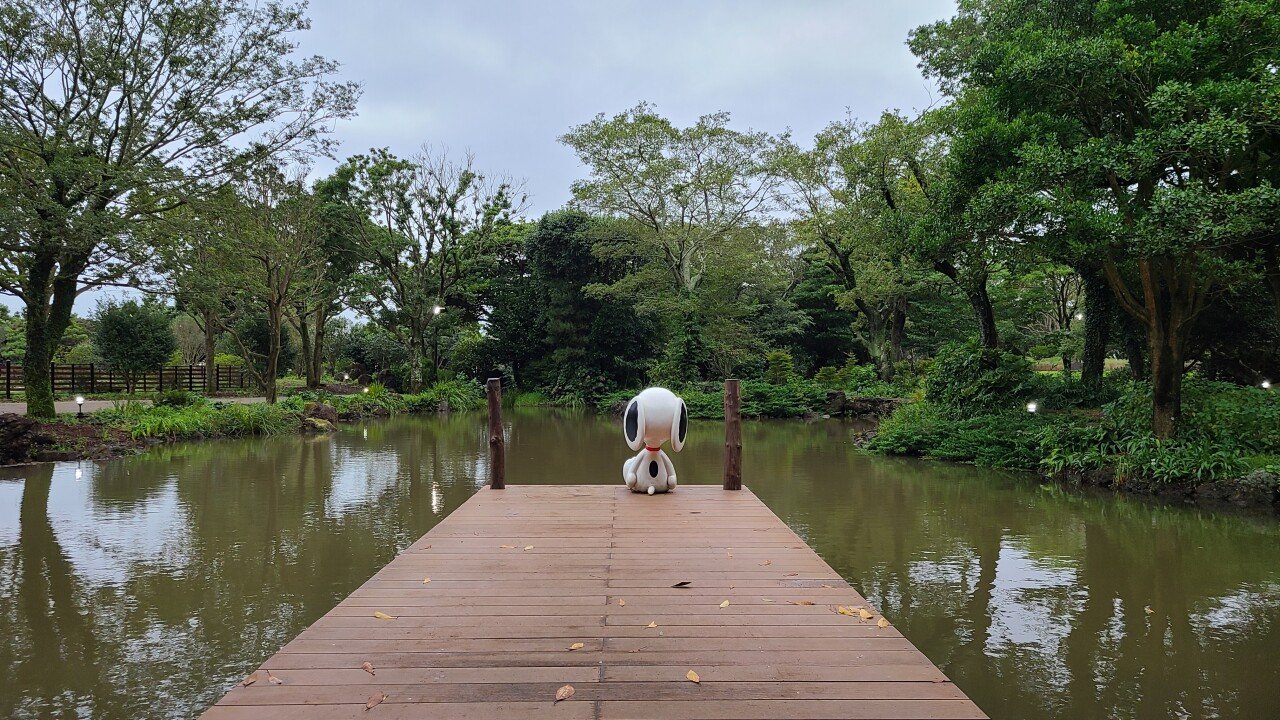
8,379
497,444
732,435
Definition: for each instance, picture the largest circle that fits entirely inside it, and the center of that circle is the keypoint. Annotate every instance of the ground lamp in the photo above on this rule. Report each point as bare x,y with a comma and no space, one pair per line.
1031,407
80,405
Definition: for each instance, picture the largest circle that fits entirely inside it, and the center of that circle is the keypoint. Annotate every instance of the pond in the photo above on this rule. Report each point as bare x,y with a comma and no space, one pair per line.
147,586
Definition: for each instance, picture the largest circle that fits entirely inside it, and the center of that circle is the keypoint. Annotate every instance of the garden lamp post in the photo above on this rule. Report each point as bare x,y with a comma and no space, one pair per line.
1266,384
1032,407
80,406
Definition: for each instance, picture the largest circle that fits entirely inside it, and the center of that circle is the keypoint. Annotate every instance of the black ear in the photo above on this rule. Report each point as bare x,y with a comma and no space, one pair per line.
680,429
633,425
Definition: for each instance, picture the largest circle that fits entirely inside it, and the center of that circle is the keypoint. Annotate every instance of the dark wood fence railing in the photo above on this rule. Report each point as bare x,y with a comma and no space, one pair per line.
92,378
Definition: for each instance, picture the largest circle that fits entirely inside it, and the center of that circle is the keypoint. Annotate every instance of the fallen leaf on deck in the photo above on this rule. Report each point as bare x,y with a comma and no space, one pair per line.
253,678
528,547
765,600
682,583
273,679
426,580
507,547
724,604
427,547
767,562
374,700
367,667
564,693
622,603
693,677
1148,610
791,575
845,610
800,602
865,614
652,625
576,646
827,586
383,616
882,623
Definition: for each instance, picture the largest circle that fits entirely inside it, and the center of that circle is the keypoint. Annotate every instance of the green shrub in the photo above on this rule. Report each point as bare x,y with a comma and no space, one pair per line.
209,420
968,379
176,398
915,429
779,367
531,398
828,377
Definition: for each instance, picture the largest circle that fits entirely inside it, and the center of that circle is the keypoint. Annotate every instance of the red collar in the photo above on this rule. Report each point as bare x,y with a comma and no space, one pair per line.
657,449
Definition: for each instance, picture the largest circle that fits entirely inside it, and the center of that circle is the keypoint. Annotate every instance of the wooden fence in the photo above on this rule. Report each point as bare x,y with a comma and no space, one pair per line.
91,378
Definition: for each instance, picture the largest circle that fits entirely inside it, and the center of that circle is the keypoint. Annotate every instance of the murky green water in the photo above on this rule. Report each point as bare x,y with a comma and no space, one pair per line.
145,587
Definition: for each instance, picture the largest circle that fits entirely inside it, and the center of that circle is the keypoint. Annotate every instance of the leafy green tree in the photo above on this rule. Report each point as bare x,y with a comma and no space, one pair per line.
1154,130
134,337
430,236
112,113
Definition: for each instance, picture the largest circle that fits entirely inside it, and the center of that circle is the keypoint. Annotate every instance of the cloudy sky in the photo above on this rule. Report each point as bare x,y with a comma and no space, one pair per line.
505,79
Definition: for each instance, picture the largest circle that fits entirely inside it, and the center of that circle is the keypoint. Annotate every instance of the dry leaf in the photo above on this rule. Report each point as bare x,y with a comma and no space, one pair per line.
383,616
528,547
375,700
426,580
845,610
427,547
882,623
693,677
682,583
1148,610
622,603
273,679
826,586
791,575
652,625
767,562
507,547
765,600
564,693
724,604
253,678
865,614
367,667
576,646
800,602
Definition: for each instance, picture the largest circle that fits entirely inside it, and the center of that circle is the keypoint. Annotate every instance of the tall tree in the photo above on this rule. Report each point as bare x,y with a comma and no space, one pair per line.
1157,129
431,226
114,111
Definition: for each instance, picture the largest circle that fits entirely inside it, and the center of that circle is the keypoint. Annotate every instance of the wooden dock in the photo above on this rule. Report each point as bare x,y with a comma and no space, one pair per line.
620,596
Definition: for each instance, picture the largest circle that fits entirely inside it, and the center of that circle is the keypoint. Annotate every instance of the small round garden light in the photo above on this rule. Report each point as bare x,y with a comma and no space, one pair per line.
1032,407
366,391
436,310
80,405
1266,384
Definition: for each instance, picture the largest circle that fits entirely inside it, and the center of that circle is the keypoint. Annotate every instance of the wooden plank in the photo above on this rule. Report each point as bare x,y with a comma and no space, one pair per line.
518,576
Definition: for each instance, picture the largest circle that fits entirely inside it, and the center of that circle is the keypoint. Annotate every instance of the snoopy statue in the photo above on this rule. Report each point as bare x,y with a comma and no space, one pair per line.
653,417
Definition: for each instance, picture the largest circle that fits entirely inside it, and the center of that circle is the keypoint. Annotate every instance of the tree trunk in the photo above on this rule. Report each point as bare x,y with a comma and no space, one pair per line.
1166,379
415,363
274,329
1135,350
35,363
980,301
210,358
1098,311
315,367
304,338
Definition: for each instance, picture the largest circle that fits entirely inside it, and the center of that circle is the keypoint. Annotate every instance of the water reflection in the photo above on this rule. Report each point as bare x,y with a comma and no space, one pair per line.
149,585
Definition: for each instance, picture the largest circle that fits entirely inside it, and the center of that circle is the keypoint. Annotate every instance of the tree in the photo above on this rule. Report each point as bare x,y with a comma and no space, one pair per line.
431,225
1155,129
263,253
134,337
115,111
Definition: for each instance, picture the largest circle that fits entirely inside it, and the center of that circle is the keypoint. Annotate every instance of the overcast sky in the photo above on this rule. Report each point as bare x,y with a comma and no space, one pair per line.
506,79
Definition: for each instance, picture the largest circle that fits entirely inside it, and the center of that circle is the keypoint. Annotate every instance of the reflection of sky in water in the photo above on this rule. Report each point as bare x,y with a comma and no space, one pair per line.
102,540
10,510
1027,606
358,477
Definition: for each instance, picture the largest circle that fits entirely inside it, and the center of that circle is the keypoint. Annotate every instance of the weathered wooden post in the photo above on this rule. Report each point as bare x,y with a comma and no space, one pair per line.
732,435
497,444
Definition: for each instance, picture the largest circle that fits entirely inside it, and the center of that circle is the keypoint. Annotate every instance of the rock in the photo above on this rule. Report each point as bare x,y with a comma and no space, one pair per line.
321,411
317,425
21,439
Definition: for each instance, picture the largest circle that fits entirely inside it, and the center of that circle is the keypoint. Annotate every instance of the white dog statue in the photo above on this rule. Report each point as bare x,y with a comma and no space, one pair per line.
653,417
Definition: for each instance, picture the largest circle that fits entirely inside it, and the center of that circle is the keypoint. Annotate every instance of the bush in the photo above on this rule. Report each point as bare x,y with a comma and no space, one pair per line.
779,367
133,337
176,398
531,398
915,430
455,394
202,420
968,379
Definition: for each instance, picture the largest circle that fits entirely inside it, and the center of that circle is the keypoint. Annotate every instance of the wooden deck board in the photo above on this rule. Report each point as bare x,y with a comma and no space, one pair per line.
519,575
